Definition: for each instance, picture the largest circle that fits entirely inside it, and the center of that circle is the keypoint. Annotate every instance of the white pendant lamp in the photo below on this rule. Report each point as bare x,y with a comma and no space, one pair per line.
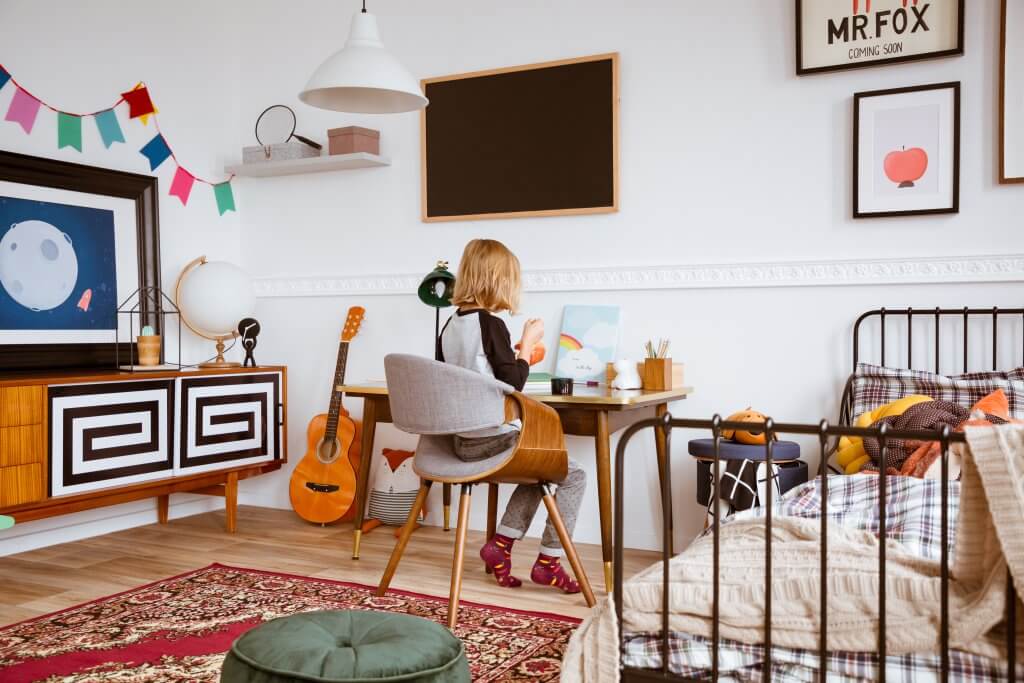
362,77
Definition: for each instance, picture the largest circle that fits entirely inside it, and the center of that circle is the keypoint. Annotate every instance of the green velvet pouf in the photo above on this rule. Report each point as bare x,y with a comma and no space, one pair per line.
346,645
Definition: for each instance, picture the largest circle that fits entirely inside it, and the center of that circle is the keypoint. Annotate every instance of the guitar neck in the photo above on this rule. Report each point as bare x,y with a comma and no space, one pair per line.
335,405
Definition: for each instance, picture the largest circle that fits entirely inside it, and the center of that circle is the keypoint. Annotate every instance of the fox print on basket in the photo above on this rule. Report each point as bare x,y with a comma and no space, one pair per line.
394,488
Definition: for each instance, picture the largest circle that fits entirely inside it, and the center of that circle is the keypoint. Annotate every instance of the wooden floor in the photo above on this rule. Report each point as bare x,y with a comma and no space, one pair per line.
53,578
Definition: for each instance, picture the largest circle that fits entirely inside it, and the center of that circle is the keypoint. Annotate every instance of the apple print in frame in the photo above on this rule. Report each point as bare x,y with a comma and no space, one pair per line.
906,157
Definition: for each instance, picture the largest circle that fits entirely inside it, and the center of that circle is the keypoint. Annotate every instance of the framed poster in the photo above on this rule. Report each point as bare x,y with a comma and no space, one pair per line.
75,242
848,34
906,151
1011,93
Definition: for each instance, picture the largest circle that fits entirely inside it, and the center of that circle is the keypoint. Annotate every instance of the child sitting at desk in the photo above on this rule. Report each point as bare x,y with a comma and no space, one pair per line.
488,282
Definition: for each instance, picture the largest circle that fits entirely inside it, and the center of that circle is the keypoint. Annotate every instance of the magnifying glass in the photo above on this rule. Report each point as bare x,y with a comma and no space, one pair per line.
276,125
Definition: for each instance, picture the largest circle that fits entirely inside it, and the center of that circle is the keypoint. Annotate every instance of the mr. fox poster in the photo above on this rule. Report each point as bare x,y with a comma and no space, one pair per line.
842,34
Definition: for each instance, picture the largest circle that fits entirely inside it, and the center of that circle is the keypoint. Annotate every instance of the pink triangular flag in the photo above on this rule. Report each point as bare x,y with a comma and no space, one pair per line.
23,110
181,186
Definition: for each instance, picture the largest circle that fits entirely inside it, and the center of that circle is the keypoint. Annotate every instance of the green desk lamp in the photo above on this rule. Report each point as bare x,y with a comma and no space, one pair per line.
436,291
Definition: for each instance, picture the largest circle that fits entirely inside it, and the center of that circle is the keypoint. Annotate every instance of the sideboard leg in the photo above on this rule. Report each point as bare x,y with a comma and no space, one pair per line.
231,501
163,504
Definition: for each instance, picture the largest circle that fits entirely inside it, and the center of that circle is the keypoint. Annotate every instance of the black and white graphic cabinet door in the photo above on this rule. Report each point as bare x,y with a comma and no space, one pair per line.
229,420
110,434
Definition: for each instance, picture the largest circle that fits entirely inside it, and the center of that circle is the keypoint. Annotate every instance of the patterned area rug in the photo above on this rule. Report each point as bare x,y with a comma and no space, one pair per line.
178,629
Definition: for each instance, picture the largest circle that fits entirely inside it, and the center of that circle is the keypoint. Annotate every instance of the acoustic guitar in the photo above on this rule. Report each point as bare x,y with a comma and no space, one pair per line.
323,484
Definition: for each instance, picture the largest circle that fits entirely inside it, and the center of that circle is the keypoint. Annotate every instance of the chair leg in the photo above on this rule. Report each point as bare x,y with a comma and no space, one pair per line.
403,540
446,506
460,554
492,516
570,550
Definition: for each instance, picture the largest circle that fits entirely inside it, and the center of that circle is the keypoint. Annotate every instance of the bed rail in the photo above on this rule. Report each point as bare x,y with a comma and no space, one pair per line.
824,431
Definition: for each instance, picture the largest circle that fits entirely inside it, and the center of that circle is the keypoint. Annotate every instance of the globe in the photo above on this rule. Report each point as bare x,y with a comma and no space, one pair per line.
213,296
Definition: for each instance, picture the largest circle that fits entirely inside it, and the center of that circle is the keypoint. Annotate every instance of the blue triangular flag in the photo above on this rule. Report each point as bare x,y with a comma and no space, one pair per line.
156,150
4,77
110,129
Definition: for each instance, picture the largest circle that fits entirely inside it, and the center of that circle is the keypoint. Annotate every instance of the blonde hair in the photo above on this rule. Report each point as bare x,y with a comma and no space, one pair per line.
488,277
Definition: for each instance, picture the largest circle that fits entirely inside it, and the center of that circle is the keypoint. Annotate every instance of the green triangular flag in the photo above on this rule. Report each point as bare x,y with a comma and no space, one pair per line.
225,198
69,131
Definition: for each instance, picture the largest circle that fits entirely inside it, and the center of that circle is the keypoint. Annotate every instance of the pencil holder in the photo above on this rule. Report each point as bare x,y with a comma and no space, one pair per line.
149,349
657,374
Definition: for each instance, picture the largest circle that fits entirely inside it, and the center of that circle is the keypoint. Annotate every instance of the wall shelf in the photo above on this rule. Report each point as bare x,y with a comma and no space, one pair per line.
336,162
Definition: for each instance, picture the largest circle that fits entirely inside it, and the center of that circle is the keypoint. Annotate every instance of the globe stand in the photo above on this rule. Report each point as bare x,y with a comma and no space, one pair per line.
219,361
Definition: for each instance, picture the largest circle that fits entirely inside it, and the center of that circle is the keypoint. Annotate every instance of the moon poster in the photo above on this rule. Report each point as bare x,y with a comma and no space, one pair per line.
907,151
58,266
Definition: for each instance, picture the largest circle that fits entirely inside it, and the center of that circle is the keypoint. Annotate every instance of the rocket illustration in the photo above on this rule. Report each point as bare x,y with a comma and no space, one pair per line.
83,303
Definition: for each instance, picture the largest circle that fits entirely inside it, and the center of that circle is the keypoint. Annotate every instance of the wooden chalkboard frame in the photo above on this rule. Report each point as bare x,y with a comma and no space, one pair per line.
614,207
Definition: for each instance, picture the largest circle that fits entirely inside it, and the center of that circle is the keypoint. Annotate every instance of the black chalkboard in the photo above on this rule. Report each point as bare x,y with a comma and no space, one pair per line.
533,140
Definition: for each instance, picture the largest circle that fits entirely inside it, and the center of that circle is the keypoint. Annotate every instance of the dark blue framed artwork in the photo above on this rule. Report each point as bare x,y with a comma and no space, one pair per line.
71,250
58,266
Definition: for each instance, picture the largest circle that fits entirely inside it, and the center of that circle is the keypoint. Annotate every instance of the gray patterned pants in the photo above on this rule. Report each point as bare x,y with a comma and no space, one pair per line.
525,500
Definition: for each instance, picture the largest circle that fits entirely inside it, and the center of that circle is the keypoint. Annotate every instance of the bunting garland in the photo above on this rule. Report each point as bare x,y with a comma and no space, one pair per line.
24,109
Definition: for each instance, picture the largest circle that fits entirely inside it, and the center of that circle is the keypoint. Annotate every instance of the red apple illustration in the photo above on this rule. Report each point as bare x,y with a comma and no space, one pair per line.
904,166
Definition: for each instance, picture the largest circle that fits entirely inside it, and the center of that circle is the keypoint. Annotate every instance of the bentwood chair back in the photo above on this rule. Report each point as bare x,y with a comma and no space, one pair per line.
436,400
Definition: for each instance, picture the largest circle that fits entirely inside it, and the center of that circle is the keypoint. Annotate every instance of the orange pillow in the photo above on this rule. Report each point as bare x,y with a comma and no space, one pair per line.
995,403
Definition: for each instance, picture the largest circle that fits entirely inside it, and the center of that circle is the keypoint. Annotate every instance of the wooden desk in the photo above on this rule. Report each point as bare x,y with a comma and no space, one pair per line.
591,411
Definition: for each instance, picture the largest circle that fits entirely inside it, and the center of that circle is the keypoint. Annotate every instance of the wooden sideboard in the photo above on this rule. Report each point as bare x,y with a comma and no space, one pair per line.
72,441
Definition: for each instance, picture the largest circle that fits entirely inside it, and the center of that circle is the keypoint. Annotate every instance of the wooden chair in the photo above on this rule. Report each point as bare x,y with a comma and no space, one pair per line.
436,400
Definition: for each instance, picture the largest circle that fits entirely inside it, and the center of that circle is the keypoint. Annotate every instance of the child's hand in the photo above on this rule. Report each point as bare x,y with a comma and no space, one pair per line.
533,332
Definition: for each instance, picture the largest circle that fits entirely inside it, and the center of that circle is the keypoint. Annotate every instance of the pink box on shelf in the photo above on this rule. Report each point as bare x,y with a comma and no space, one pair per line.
351,139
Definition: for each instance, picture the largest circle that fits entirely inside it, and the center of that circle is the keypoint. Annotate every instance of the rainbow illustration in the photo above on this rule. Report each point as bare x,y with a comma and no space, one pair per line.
569,342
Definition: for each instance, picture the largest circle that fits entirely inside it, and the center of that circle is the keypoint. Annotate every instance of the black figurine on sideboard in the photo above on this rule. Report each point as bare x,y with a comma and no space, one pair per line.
248,328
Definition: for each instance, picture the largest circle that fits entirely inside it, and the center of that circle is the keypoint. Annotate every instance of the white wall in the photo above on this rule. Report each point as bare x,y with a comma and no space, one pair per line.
726,157
80,57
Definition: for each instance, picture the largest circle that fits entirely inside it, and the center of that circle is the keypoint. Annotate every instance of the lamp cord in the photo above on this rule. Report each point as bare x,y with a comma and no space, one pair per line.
364,6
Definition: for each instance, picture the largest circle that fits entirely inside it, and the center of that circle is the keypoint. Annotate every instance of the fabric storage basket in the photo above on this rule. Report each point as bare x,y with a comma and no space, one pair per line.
293,149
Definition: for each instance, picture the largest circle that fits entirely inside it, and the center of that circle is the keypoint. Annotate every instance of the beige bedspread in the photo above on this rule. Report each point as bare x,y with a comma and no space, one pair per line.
990,535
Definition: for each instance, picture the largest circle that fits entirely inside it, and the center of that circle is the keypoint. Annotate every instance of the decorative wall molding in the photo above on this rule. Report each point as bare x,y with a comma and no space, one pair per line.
1006,268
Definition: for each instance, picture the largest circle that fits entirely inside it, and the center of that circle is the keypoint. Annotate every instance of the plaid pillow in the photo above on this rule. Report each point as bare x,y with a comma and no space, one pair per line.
875,385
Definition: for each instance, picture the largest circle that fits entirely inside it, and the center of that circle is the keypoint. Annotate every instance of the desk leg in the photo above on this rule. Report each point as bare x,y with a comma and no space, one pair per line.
363,480
602,448
663,456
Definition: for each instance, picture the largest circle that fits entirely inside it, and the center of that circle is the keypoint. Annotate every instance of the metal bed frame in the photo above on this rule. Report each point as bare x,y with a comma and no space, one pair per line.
825,432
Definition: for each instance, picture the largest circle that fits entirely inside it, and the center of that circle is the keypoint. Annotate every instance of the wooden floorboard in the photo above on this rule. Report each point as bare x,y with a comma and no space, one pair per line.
49,579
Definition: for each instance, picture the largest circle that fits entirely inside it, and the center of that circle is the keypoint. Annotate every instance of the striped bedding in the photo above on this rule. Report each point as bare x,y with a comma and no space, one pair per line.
913,517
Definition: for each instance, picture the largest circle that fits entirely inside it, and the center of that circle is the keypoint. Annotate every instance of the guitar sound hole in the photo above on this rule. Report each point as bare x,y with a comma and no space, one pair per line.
321,488
327,452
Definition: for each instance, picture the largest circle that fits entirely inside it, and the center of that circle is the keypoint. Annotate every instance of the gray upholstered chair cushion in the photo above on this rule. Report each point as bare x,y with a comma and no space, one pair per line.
430,397
435,459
